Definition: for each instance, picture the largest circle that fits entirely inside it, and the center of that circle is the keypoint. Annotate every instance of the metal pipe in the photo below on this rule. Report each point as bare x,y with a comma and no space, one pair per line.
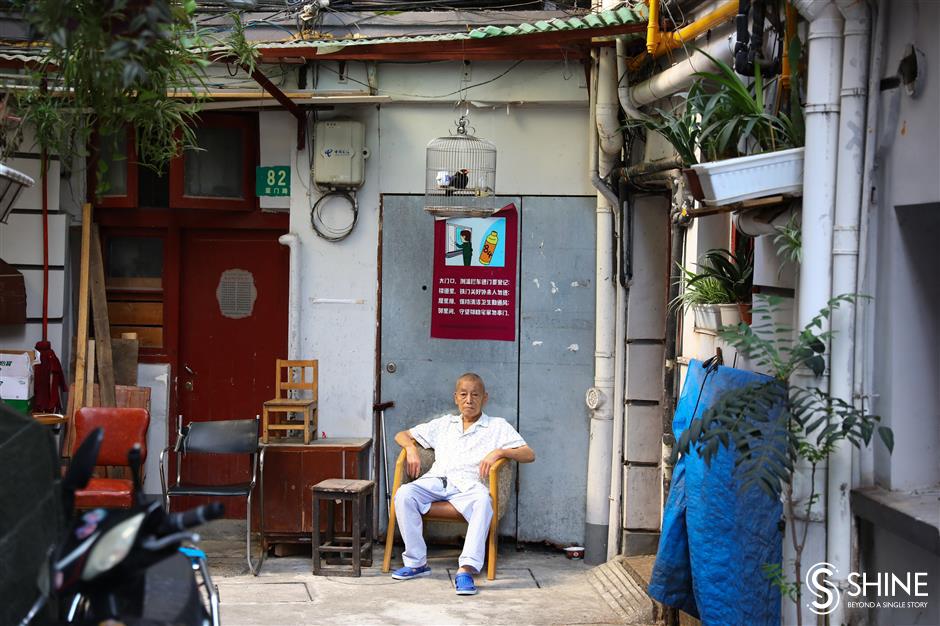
659,43
292,241
845,245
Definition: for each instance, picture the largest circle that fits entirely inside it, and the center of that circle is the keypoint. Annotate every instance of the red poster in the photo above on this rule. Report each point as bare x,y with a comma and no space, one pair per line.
475,277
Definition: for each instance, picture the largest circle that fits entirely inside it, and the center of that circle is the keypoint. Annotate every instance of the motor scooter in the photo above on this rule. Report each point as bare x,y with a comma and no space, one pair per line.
130,566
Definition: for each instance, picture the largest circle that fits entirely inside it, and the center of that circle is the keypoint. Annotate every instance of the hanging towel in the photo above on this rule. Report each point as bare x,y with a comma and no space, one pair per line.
48,380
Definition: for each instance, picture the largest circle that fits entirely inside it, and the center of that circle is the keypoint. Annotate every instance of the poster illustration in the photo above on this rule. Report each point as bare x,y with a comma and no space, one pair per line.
475,277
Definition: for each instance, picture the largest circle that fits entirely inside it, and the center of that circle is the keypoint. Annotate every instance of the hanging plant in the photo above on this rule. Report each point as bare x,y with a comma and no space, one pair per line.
109,65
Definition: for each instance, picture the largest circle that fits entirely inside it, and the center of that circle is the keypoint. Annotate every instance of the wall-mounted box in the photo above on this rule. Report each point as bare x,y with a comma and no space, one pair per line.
339,160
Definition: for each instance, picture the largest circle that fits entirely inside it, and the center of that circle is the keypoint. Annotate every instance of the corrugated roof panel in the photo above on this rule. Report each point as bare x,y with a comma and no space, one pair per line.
618,17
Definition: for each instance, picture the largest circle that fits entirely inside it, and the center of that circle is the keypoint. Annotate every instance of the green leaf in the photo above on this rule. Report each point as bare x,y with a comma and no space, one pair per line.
887,436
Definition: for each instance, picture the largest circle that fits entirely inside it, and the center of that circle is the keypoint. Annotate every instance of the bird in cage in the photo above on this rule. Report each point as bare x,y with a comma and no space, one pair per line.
458,180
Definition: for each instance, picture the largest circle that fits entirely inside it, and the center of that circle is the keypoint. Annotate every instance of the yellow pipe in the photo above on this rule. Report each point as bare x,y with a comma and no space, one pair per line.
659,43
653,35
790,33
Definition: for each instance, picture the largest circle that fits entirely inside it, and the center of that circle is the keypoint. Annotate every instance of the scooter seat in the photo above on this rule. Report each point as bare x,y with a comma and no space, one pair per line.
106,493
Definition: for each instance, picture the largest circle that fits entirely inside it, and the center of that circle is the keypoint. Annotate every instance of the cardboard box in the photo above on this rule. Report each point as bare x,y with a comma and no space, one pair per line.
16,377
23,406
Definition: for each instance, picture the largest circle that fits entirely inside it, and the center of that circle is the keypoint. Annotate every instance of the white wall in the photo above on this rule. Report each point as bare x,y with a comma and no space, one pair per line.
21,246
907,300
542,150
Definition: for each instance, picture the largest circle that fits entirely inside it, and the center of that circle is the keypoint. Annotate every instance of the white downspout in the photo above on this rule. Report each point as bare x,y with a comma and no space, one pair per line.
623,87
815,282
845,244
292,241
607,109
600,396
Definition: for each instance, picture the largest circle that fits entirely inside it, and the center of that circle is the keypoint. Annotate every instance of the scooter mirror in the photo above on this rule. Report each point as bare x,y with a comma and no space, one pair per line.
83,462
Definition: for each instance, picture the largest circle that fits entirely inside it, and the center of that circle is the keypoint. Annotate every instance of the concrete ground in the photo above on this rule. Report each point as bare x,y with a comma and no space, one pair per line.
536,585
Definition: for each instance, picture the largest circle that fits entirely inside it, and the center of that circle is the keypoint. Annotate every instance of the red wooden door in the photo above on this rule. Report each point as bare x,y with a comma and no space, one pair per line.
233,326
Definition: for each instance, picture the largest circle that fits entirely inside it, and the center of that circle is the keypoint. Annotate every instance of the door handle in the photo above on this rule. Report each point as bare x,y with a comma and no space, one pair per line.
188,385
189,369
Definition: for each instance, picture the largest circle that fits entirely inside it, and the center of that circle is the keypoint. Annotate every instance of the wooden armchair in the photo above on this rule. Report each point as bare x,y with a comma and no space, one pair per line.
500,486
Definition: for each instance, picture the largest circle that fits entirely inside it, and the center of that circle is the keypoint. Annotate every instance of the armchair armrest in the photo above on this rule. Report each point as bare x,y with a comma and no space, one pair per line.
494,478
399,472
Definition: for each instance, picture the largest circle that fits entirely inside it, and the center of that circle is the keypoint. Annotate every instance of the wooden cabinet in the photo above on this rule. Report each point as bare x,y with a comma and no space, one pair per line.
288,473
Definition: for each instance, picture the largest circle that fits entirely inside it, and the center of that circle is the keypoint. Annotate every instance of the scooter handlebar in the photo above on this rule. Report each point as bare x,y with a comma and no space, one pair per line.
193,517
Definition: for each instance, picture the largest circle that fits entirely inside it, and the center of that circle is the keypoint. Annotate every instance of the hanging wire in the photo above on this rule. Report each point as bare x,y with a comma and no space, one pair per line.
324,230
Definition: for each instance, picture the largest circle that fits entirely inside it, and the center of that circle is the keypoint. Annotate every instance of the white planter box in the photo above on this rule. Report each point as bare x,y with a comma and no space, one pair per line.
730,314
755,176
707,317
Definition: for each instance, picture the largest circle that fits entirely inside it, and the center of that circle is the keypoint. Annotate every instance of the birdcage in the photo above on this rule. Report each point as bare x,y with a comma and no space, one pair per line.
460,178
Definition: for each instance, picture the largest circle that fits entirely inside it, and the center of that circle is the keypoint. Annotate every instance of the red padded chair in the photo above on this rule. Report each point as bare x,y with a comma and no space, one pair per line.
122,429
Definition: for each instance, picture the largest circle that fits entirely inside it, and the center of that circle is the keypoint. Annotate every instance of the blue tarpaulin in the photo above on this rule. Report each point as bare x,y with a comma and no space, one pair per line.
716,538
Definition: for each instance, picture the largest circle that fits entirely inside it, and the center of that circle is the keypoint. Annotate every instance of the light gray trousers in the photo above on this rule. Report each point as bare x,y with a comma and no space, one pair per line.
412,500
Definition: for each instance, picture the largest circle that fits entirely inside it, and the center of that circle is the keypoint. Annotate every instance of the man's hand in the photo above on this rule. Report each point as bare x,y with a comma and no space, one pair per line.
412,461
410,446
487,463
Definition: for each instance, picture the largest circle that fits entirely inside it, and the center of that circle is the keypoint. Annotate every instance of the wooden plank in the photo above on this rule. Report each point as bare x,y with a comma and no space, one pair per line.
125,354
81,332
135,313
89,377
99,306
148,336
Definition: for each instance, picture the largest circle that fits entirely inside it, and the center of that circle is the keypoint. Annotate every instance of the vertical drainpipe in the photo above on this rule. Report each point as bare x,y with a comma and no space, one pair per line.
600,396
815,282
845,243
292,241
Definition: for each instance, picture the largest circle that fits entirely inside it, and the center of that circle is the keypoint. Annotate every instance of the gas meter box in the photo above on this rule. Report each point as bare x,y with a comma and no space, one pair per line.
340,154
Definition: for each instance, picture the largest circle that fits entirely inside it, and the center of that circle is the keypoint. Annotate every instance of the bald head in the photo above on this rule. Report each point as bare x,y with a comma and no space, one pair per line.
470,377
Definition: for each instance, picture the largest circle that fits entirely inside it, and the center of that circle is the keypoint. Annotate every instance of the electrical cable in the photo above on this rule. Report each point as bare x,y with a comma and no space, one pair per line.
324,230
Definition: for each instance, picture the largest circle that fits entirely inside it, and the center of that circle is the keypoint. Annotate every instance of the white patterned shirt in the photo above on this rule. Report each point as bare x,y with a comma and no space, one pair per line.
457,454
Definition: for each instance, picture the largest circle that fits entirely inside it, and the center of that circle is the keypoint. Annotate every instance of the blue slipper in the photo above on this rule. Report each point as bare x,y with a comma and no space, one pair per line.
464,583
407,573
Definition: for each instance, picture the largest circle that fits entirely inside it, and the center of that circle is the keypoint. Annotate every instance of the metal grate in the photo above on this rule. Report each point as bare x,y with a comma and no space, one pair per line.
460,177
236,294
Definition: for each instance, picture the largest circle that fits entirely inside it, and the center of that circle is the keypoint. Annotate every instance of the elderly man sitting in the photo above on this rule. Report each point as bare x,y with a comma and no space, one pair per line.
465,446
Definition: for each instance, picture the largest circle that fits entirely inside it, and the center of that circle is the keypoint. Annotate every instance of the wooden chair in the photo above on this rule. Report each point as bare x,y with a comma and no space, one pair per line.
123,427
292,380
500,486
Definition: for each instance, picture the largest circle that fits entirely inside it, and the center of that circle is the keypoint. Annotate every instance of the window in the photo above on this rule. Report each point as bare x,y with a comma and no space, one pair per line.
118,157
134,281
220,174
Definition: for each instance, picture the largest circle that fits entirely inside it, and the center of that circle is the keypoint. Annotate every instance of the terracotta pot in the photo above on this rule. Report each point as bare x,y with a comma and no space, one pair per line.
695,186
745,309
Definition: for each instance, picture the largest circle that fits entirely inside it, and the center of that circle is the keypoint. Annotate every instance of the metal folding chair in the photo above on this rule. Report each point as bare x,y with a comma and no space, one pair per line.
217,437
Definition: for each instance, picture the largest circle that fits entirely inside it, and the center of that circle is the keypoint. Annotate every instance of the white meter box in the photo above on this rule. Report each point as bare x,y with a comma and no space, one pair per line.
340,154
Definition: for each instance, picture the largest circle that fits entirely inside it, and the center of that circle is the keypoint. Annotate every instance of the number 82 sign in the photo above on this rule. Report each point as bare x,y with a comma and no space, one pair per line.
272,181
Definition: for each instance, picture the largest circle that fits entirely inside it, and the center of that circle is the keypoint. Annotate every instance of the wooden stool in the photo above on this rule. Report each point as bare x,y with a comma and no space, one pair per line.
358,544
292,375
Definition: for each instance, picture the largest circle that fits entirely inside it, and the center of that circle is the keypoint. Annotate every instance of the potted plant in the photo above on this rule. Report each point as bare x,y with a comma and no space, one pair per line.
719,292
734,148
